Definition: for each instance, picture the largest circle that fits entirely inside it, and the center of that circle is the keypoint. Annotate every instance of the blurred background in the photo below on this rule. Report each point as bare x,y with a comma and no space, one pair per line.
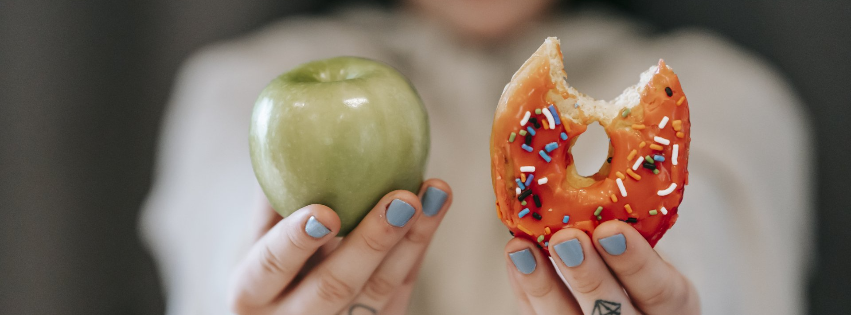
83,85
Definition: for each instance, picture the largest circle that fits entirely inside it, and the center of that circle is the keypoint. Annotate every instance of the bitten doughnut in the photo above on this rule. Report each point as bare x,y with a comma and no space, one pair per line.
539,118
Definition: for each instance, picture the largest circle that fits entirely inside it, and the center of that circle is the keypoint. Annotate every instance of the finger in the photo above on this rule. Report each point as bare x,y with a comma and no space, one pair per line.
435,196
539,281
399,303
264,217
279,255
334,283
653,284
593,285
522,300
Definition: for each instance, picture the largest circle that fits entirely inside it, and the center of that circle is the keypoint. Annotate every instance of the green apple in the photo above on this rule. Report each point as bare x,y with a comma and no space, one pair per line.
341,132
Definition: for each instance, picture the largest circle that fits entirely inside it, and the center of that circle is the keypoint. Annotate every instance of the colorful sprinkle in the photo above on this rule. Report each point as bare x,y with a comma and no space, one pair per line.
535,122
638,126
642,144
547,230
542,181
649,159
680,135
537,111
529,180
620,175
653,212
633,174
546,125
598,211
546,244
555,114
519,184
656,171
649,165
540,238
637,163
677,124
524,194
565,219
656,147
523,178
517,190
522,132
530,130
551,146
680,102
523,212
675,154
625,112
545,156
613,197
527,169
536,216
524,229
511,137
526,147
631,154
663,122
662,140
669,91
621,187
664,211
599,218
627,208
550,118
668,190
659,158
631,220
537,200
525,118
563,136
528,139
523,203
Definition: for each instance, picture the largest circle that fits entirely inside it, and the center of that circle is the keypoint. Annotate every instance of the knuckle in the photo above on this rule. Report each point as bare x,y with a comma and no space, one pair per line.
539,290
665,291
379,287
586,283
378,245
332,288
633,269
272,262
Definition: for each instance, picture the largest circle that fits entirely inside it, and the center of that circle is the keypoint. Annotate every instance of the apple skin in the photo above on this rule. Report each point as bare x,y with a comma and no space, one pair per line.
341,132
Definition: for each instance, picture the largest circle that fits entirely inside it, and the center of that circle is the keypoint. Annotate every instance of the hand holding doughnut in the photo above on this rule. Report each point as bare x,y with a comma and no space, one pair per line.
539,118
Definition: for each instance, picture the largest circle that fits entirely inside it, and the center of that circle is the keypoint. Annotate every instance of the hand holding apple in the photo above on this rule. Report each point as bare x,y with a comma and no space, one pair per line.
341,132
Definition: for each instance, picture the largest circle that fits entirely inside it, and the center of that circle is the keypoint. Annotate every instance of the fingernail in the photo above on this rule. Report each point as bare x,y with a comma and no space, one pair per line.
570,252
399,213
315,229
433,200
524,261
614,245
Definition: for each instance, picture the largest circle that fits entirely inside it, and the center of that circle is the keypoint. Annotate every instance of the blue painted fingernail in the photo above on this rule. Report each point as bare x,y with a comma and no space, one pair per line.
614,245
399,213
524,261
570,252
315,229
433,200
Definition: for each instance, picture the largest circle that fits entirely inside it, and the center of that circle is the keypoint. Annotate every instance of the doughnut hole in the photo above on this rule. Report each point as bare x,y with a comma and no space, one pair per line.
591,165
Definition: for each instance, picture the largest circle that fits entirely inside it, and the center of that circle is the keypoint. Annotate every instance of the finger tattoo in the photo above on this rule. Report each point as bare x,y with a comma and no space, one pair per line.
603,307
360,309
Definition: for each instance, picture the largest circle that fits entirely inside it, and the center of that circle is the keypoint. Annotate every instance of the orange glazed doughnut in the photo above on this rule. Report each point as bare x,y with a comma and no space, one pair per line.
539,118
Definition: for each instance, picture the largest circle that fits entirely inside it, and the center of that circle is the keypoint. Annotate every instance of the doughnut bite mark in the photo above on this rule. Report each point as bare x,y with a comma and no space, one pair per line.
538,190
